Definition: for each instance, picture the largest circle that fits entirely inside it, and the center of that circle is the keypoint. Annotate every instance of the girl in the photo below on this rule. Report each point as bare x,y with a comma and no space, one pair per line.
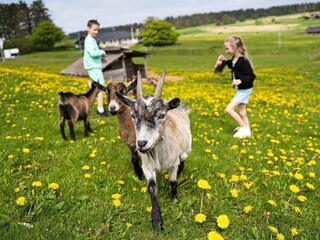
242,80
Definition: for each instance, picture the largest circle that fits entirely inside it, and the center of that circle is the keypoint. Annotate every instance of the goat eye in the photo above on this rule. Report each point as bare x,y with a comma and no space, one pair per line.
162,116
133,117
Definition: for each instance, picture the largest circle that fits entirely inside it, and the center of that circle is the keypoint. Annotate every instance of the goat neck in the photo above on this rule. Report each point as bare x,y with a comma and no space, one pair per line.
139,86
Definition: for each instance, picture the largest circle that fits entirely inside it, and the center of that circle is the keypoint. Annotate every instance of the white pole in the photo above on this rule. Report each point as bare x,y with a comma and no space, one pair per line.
279,39
1,49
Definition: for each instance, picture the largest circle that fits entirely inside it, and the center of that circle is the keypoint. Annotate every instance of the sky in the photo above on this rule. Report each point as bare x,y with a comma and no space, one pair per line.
72,15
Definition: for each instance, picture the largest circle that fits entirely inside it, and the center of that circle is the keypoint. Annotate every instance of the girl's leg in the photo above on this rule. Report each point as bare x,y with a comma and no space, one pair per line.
243,114
230,110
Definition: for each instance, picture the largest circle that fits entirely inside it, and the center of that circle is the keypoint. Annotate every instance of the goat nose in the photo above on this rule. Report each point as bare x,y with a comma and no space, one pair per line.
112,108
142,143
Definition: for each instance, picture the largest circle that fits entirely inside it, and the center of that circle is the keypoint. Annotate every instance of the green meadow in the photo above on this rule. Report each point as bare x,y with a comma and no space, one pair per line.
265,187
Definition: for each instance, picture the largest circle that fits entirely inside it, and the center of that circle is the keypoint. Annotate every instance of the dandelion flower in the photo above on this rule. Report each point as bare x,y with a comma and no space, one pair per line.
203,184
247,209
234,193
149,209
16,190
116,196
312,174
116,202
213,235
298,176
37,184
129,225
309,185
85,167
10,156
301,198
273,229
53,186
221,175
234,178
294,232
200,218
144,189
209,196
280,236
297,210
87,175
272,202
223,221
21,201
294,188
120,182
234,147
103,163
26,150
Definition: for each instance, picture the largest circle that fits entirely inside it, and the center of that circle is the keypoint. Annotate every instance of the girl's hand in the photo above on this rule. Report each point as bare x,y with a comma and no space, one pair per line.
220,60
236,82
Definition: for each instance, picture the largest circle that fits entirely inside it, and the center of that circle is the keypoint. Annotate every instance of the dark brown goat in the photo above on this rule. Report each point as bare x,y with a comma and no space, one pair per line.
76,107
125,124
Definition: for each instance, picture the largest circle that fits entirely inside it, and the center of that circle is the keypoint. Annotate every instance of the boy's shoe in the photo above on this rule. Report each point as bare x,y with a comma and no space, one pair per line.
243,132
103,114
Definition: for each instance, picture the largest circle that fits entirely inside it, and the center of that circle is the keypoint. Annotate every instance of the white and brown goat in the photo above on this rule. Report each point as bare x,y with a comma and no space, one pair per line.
75,107
163,139
125,124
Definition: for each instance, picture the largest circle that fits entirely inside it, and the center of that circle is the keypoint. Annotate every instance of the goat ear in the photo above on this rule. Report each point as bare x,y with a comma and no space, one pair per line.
125,100
132,85
99,86
174,103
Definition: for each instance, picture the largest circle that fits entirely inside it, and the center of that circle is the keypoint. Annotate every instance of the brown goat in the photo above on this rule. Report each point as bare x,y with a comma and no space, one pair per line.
125,124
74,108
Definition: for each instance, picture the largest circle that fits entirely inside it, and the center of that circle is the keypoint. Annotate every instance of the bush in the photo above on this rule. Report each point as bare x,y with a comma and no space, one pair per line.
24,44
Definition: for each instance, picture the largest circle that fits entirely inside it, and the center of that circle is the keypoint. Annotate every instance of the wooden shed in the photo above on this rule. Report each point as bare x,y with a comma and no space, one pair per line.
119,66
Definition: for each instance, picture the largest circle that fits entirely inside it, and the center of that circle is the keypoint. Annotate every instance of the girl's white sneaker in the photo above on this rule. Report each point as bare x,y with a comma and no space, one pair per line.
243,132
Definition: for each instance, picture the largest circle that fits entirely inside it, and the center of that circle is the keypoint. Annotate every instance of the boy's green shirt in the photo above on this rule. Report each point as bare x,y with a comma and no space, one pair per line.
92,54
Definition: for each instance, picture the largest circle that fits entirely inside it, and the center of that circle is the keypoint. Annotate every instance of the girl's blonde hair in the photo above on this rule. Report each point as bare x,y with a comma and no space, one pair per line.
238,44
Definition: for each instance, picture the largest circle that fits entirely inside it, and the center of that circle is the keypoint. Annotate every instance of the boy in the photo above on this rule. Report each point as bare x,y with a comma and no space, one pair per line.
92,61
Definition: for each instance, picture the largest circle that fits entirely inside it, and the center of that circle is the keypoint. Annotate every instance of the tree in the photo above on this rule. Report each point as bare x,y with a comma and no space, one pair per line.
39,12
45,35
158,33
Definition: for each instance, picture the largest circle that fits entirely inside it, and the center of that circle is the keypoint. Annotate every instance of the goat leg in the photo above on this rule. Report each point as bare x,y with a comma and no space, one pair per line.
86,128
155,213
89,127
174,186
135,161
180,168
72,134
61,124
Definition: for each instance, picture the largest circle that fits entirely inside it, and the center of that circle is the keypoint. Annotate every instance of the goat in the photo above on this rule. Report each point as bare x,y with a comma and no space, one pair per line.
163,139
76,107
125,124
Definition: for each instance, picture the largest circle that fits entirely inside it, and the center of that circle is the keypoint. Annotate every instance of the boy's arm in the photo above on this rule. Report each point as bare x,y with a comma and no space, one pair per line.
94,50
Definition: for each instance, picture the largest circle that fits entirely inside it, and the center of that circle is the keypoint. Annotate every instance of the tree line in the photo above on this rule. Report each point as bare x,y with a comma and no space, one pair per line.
28,28
220,18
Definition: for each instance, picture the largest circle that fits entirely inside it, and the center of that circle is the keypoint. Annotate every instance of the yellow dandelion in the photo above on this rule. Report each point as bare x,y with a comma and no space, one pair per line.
221,175
234,147
85,167
311,163
248,185
37,184
129,225
294,232
243,177
247,209
116,202
273,229
53,186
21,201
116,196
209,196
16,190
120,182
312,174
294,188
203,184
149,209
298,176
166,176
10,156
302,198
144,189
223,221
103,163
26,150
272,202
200,218
234,178
234,193
213,235
87,175
297,210
309,185
280,236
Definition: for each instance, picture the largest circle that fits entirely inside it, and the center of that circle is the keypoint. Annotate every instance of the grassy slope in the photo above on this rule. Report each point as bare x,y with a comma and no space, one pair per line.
285,117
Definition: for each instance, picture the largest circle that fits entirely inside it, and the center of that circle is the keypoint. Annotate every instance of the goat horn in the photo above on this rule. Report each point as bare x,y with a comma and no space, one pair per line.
139,86
158,91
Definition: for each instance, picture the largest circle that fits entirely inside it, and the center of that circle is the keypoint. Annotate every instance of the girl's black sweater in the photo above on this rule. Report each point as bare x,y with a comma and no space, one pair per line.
241,70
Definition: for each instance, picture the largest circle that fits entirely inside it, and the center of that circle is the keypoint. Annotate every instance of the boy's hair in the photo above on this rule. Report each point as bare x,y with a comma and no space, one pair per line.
92,22
238,44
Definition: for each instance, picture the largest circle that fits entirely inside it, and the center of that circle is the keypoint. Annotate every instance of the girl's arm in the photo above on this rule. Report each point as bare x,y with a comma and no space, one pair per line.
246,76
220,64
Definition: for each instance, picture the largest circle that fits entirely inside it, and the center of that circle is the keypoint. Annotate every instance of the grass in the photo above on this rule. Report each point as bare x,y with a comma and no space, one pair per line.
270,171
